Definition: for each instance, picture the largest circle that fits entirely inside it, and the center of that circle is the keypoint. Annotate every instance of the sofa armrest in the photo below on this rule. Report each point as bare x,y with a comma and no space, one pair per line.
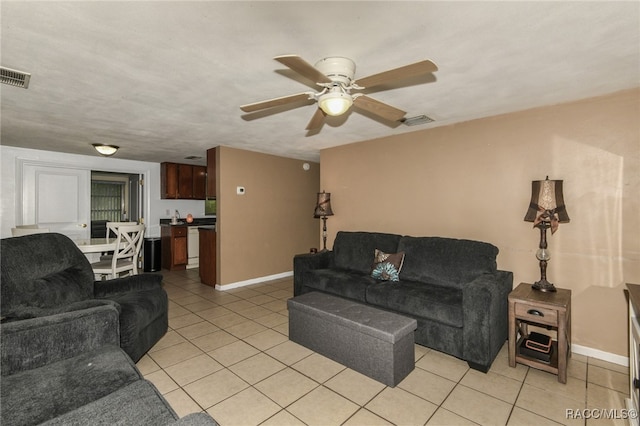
485,310
127,284
28,312
35,342
307,262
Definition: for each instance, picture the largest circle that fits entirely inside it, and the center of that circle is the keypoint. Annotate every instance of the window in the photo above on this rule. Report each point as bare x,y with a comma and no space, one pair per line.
107,201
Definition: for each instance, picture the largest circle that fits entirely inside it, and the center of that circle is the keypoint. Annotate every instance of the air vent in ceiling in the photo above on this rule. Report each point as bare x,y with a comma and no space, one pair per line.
14,77
193,157
418,119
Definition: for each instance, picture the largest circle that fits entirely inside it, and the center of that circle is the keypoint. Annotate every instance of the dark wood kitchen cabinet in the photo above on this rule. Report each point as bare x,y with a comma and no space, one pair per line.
168,180
199,182
174,247
182,181
185,181
207,241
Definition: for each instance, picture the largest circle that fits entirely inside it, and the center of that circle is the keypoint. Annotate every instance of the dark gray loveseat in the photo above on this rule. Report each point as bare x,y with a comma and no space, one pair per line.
451,287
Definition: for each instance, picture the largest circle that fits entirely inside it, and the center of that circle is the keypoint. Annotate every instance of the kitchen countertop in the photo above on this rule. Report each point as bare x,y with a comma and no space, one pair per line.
197,221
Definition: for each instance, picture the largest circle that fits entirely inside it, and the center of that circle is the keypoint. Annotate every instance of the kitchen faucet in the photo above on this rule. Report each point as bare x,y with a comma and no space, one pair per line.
177,215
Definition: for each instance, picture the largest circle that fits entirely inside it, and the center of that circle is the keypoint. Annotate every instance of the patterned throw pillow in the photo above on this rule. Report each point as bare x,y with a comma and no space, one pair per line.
387,266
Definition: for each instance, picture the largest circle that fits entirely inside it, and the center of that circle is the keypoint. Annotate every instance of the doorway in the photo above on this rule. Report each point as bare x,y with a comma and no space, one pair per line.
115,197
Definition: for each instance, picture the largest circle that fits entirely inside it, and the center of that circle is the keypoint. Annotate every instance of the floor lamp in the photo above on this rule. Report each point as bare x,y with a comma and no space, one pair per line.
546,211
323,209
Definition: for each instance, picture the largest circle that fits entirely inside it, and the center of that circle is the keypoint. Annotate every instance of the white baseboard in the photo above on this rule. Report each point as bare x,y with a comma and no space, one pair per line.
597,353
254,281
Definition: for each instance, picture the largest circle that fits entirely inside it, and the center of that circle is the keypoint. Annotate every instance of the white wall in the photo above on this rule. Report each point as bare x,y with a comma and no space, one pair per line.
154,208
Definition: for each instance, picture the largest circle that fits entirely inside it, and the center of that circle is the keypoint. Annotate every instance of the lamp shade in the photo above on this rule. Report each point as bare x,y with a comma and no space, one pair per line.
106,150
323,205
335,102
546,198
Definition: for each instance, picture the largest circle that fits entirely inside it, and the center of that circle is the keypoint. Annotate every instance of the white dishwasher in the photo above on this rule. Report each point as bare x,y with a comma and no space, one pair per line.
193,247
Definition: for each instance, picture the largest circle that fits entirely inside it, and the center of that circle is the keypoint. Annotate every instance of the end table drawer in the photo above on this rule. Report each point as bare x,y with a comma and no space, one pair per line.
536,314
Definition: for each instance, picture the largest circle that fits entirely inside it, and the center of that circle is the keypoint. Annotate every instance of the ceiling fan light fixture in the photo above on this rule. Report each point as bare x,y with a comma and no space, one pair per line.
106,150
335,75
335,102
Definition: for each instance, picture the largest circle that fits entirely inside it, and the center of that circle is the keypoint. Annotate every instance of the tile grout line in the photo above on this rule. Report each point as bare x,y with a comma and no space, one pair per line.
188,288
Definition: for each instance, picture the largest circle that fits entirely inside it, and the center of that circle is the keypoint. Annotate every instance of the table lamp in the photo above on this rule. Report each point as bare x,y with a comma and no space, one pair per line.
546,210
323,209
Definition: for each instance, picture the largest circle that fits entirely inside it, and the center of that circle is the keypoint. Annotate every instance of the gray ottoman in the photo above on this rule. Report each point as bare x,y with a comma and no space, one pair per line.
376,343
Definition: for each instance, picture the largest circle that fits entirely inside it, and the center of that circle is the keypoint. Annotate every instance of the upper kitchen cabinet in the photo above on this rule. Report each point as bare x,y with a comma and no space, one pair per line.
182,181
211,173
168,180
199,182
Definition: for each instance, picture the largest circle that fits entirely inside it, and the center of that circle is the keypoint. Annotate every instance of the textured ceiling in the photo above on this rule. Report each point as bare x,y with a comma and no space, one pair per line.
164,80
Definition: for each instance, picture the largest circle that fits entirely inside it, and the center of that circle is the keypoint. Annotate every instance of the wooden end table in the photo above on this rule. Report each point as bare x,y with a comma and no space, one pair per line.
546,310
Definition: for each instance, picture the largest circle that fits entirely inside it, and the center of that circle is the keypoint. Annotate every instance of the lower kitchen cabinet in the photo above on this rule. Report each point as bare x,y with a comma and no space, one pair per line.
174,247
207,255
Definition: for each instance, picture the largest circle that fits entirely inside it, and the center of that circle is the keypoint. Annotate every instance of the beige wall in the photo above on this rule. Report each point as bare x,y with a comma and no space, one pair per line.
473,180
260,232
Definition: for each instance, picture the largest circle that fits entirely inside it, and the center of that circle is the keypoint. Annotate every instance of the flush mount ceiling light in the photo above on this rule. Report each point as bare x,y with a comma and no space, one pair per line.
106,150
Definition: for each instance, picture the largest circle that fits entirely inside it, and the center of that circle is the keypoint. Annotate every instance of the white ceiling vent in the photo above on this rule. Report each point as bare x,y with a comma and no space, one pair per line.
14,77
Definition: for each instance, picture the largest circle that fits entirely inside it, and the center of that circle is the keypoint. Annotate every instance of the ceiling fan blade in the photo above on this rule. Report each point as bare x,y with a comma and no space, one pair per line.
303,68
378,108
275,102
407,71
317,120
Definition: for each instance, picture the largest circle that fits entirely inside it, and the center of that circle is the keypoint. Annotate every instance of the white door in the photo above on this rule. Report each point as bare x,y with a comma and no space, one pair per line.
57,198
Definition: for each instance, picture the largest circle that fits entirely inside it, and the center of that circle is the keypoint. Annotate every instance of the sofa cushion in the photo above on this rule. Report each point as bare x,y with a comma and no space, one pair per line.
354,251
437,303
387,266
446,261
349,284
61,274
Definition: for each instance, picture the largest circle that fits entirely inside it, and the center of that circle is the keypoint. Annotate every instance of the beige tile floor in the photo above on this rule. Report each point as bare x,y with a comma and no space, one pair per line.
227,353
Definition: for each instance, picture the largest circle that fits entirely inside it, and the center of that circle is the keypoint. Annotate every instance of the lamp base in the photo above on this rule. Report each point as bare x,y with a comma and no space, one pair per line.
544,286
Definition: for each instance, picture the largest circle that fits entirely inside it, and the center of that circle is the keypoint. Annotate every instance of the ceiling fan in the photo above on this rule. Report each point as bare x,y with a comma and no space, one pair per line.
335,76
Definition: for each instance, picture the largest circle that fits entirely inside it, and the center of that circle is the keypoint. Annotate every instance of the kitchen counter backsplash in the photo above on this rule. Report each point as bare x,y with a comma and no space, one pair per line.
197,221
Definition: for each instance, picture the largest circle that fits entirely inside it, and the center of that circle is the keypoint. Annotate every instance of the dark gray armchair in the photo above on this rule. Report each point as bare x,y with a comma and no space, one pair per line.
68,369
46,274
